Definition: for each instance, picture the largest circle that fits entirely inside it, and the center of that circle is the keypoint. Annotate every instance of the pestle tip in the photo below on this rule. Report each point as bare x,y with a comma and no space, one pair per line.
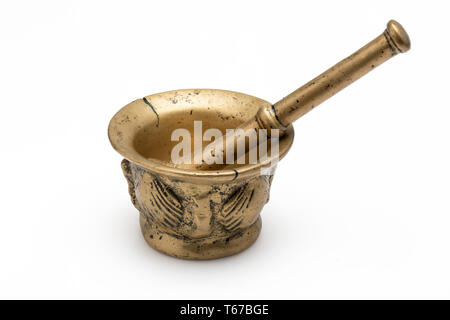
399,36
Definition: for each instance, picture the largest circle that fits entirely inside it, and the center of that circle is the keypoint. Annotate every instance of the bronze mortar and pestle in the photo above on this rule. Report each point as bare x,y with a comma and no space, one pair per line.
208,211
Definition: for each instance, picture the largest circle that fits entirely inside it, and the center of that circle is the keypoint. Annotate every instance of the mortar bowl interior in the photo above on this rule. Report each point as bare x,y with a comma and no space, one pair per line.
141,131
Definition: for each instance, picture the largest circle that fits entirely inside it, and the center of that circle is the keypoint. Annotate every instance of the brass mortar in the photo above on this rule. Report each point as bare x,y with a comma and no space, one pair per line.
185,212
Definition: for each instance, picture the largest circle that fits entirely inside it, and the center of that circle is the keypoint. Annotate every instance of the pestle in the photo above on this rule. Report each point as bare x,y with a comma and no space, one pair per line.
392,41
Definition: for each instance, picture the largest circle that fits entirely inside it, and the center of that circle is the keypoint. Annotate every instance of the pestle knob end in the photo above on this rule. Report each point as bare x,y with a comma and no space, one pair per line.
398,36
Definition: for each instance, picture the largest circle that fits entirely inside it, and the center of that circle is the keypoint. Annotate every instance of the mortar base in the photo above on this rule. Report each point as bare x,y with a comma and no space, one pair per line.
199,249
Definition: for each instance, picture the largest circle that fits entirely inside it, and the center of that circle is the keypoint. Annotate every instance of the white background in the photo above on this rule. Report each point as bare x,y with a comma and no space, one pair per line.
360,207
